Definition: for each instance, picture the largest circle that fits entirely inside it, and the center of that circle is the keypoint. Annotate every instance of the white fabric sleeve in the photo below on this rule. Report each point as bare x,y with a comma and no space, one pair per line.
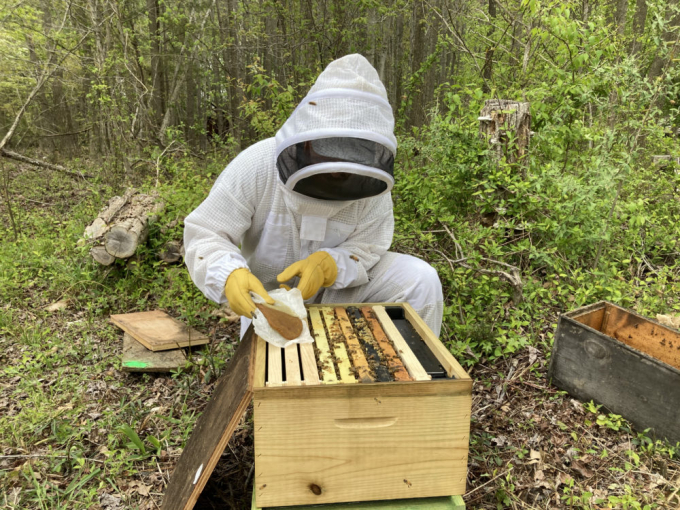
214,230
216,275
363,248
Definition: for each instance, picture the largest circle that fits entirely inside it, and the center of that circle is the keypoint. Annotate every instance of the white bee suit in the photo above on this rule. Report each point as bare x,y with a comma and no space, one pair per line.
254,216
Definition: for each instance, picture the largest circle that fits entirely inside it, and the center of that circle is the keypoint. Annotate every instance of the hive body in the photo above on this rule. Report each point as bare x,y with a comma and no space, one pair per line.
330,439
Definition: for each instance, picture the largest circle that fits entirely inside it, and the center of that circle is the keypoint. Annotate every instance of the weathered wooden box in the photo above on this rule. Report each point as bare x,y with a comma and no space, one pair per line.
331,426
621,360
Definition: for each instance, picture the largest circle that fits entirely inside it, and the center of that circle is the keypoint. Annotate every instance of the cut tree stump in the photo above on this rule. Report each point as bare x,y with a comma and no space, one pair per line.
122,226
502,121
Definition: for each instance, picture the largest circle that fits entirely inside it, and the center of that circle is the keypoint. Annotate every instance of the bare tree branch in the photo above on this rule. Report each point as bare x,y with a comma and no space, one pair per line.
42,164
513,277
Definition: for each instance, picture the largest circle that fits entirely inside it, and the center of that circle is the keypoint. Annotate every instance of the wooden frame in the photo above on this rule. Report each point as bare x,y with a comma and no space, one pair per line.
367,441
623,361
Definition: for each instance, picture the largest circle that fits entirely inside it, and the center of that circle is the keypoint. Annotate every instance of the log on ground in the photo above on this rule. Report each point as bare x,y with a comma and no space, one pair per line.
121,226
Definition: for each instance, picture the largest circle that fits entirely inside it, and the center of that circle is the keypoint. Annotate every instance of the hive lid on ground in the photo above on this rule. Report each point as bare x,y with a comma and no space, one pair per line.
214,428
157,331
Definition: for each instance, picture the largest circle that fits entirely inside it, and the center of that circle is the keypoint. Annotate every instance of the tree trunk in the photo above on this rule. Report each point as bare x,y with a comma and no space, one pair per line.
639,22
661,58
502,120
487,70
416,117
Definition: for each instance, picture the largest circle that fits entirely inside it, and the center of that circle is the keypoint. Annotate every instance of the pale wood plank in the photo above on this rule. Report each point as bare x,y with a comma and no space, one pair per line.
643,334
396,366
157,331
415,369
355,351
275,370
436,503
450,364
292,365
309,368
341,357
325,359
373,437
260,363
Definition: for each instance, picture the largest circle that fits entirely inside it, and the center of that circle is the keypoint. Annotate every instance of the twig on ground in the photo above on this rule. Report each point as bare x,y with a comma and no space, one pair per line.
489,481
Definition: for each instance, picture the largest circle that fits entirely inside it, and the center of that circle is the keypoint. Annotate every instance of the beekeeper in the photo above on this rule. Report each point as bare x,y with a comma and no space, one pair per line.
312,206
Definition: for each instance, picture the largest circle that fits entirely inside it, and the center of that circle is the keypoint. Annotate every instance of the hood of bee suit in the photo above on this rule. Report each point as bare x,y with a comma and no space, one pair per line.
339,143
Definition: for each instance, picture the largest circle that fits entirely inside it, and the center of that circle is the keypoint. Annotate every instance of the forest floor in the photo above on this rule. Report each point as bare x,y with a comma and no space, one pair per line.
65,400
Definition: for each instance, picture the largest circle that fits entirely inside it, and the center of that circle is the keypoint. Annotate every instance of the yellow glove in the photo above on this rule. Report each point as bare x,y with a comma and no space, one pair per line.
237,289
316,271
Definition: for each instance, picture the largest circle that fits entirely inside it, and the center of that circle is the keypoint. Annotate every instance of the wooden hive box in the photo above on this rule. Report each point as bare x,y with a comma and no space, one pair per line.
376,409
626,362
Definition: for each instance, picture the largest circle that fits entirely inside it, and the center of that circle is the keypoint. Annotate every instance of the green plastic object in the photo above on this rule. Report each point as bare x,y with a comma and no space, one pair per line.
442,503
135,364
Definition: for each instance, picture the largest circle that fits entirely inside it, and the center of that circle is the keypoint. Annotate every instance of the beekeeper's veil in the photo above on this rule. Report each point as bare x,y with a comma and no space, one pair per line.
339,143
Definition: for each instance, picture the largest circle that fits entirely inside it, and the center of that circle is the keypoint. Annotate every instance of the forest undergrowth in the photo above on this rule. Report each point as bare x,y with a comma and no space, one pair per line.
80,433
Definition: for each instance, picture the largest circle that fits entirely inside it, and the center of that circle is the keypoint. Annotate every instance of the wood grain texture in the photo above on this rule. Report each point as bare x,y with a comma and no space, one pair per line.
592,319
353,346
341,357
157,331
274,365
285,324
440,503
444,356
293,373
643,334
137,358
310,371
325,360
593,366
415,369
397,368
361,442
230,399
261,363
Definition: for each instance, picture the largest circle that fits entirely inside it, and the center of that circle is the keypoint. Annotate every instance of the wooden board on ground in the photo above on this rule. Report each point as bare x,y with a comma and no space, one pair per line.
137,358
157,331
441,503
214,427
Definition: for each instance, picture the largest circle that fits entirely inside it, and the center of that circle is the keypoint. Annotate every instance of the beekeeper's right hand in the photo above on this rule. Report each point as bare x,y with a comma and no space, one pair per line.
240,284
